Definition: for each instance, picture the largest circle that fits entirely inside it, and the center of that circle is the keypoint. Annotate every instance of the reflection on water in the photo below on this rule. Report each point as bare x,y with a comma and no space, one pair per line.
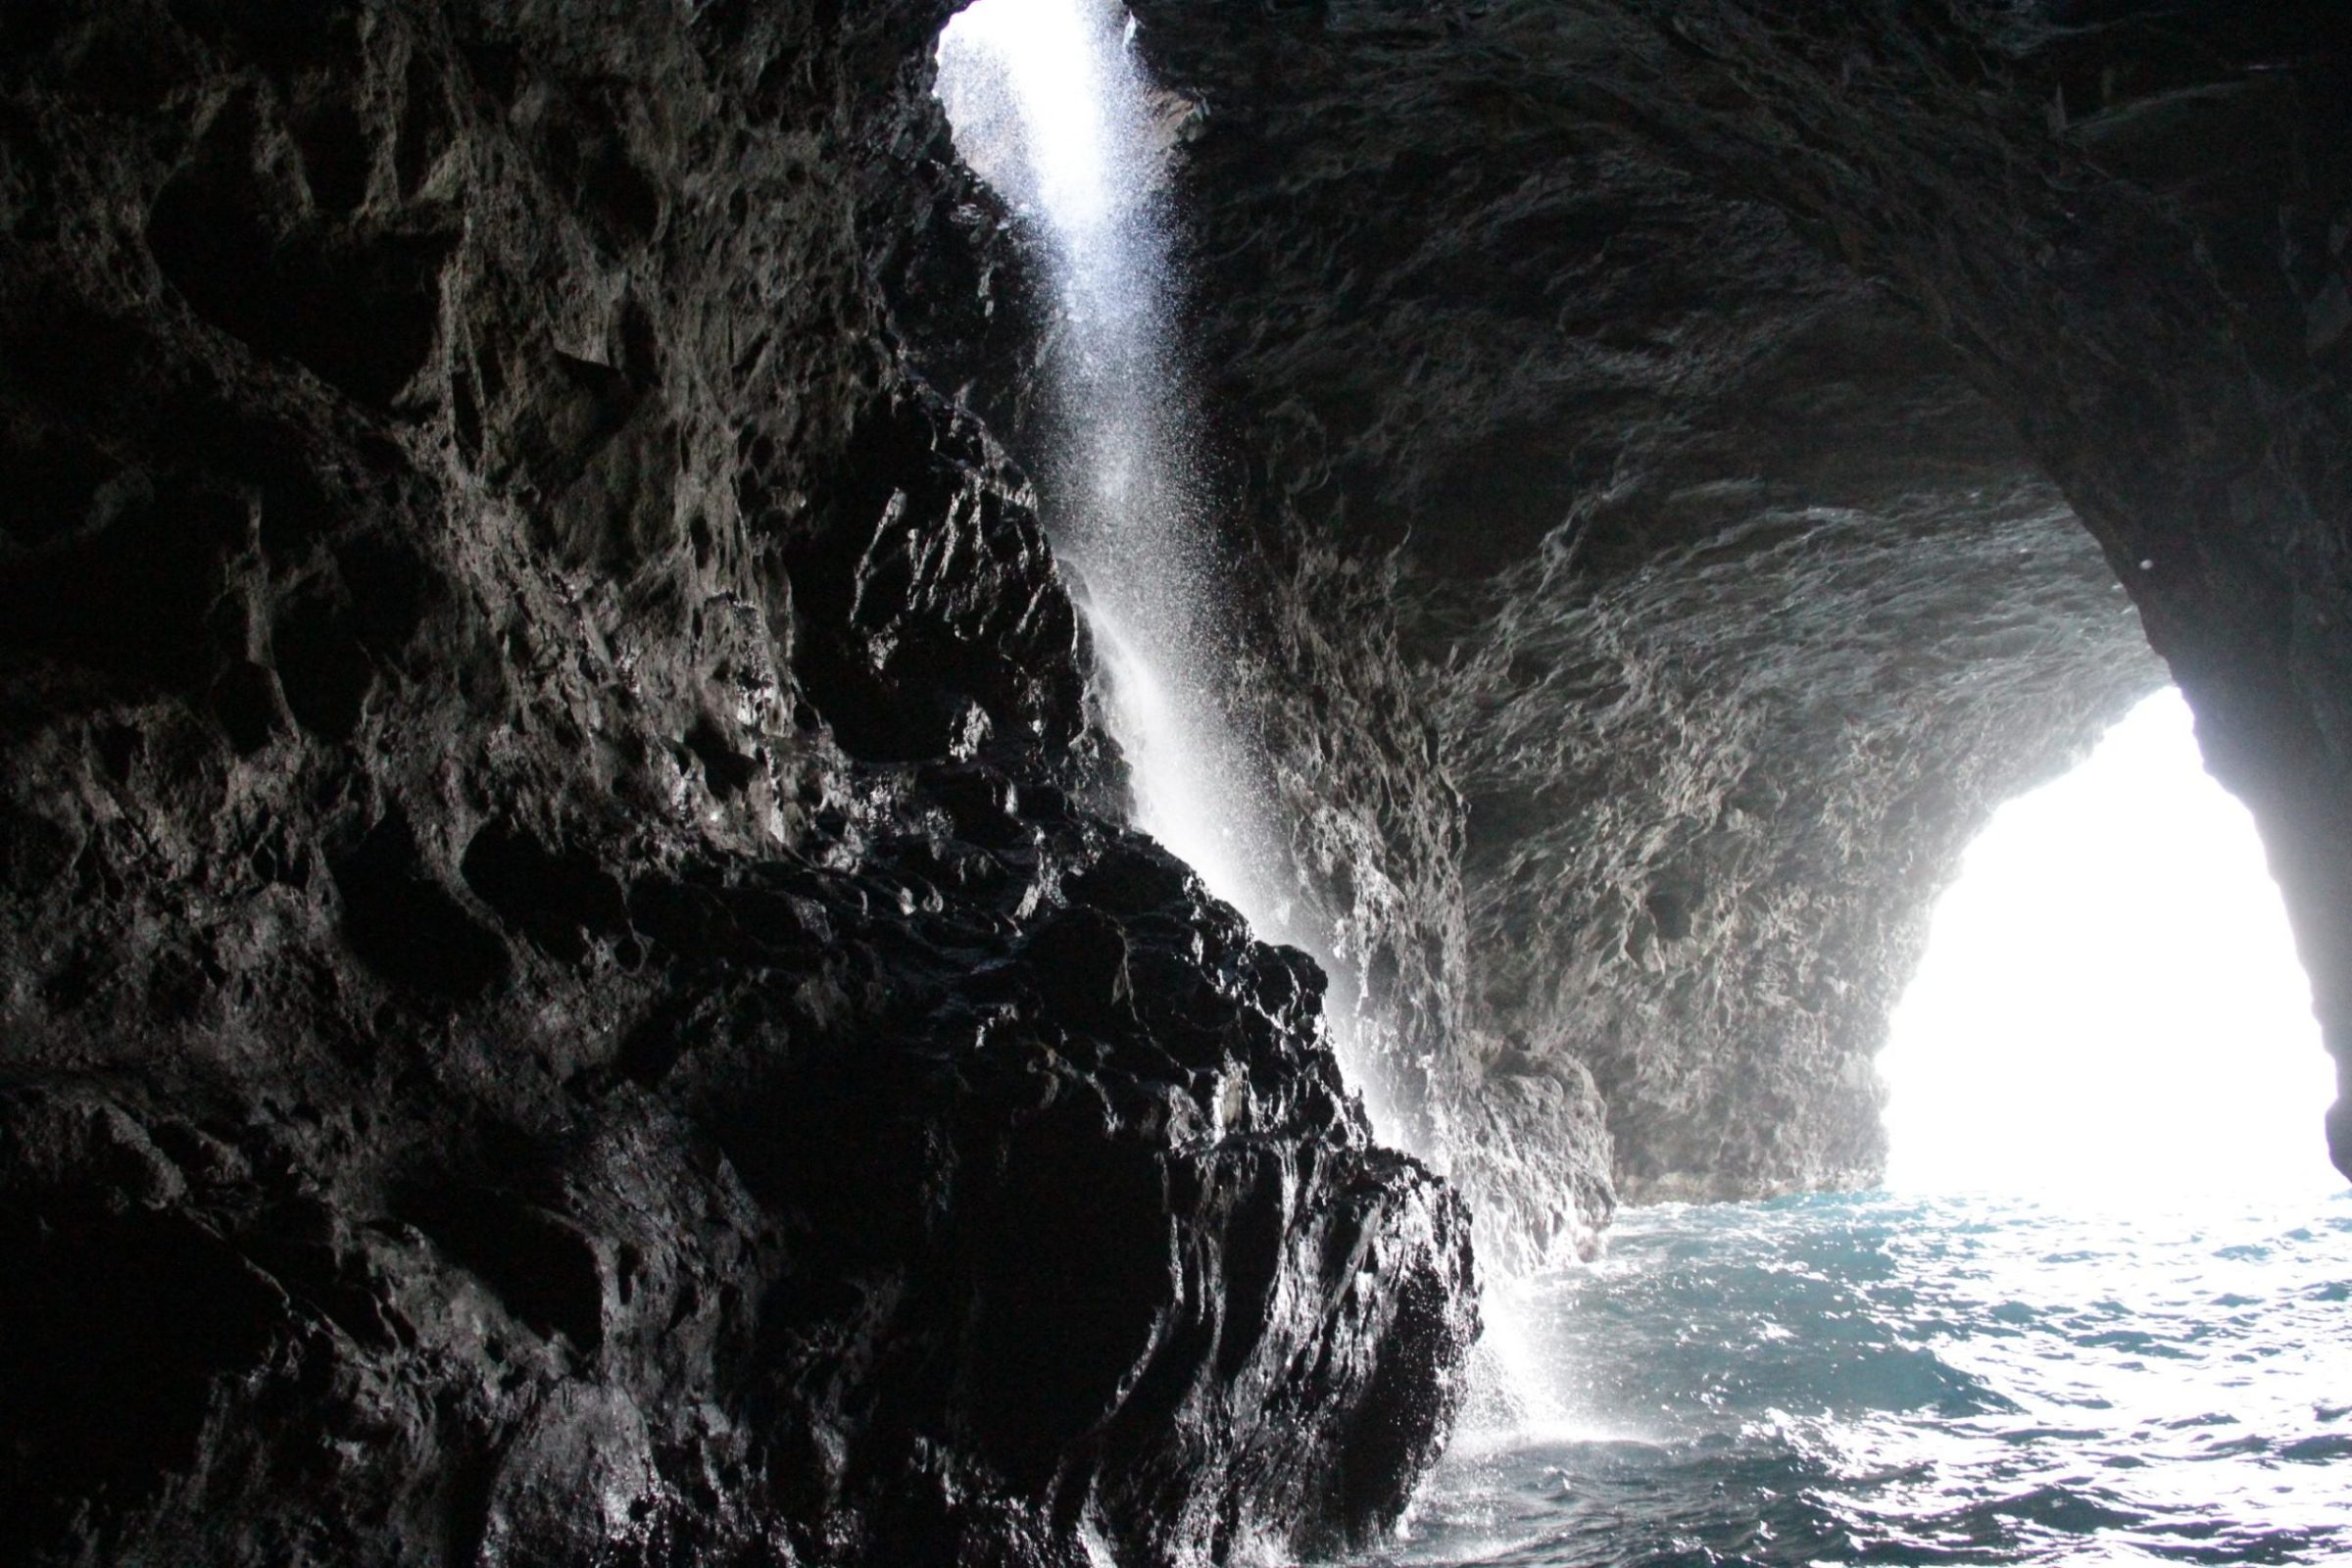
1876,1379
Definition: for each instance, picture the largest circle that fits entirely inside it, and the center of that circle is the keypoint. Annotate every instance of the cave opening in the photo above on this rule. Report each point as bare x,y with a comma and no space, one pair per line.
2092,1302
2110,1002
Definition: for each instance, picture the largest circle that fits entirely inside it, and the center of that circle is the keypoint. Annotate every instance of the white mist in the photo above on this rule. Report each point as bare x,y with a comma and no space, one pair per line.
1048,105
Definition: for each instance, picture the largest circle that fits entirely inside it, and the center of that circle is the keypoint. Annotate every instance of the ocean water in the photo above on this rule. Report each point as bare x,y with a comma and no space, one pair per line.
1896,1379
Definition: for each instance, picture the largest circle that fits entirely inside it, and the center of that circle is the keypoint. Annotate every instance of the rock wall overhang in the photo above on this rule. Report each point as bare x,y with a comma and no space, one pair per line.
1705,456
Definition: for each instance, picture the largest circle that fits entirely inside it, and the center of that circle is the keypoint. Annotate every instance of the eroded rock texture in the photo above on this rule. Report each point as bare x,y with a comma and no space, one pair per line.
1691,450
575,989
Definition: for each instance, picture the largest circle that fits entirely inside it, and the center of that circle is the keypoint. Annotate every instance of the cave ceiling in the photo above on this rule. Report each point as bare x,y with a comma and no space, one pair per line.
1766,441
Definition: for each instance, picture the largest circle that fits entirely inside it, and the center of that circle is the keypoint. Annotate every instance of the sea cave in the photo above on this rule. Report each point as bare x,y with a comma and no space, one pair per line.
1060,784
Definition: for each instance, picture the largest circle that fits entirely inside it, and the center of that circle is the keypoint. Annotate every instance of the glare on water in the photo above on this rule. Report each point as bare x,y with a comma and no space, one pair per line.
1891,1379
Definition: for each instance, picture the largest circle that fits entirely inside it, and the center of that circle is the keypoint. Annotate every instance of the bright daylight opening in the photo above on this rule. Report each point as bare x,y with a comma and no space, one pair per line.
2110,998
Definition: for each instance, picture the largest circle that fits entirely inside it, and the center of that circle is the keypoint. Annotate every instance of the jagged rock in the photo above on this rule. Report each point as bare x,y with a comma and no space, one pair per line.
574,992
571,985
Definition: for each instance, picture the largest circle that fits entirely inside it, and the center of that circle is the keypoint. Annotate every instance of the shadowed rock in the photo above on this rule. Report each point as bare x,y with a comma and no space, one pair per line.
573,992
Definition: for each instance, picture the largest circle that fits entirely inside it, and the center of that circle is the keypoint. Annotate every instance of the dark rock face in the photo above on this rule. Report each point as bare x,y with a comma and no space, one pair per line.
1692,452
575,989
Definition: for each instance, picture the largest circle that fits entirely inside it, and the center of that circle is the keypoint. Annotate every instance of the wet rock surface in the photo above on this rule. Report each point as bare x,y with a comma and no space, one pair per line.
1699,460
575,991
573,986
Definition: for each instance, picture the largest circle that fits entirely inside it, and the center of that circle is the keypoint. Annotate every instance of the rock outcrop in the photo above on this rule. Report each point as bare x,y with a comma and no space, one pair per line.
575,989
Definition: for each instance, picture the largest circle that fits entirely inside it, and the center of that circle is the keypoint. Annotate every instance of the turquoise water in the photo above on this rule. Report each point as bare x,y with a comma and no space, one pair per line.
1877,1379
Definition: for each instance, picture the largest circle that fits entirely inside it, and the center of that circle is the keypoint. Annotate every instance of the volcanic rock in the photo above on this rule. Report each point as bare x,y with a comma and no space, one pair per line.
575,987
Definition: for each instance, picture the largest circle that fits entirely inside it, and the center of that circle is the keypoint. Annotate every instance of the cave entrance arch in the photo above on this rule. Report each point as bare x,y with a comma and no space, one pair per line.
2110,998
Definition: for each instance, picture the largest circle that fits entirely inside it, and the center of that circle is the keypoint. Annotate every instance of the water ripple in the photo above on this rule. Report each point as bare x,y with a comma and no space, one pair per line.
1876,1379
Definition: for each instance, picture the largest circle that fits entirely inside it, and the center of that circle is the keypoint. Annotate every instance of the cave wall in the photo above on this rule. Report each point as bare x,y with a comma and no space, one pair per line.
568,930
1739,446
576,986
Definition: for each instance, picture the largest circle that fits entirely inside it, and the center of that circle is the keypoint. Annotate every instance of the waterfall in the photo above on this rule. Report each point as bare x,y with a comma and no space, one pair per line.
1049,104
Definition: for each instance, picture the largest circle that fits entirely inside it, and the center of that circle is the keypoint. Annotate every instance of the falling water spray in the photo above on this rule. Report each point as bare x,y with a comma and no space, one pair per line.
1049,104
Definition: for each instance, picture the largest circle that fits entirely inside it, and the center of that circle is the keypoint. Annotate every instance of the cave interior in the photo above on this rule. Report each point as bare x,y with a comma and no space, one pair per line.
578,981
